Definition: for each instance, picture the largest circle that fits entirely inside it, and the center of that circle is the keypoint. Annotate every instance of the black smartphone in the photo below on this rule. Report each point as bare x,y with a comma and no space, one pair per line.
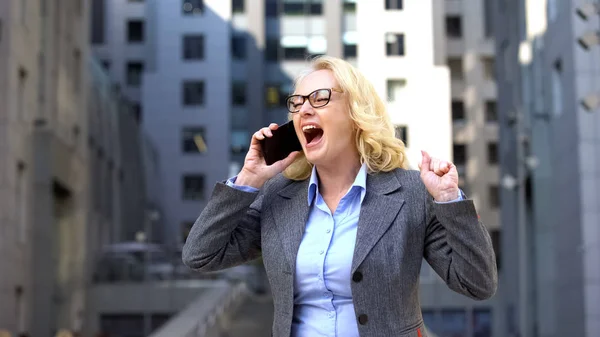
283,142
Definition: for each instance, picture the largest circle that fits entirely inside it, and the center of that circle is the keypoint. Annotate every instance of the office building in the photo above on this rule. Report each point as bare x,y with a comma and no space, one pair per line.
549,86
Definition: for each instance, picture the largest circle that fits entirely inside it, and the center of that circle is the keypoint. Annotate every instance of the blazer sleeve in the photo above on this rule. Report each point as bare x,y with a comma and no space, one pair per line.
459,248
227,232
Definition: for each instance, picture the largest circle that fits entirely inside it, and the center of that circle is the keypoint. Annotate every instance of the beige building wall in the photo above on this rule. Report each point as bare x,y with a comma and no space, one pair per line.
43,174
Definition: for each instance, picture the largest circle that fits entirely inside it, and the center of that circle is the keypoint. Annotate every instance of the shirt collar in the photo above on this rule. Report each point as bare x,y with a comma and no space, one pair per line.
360,181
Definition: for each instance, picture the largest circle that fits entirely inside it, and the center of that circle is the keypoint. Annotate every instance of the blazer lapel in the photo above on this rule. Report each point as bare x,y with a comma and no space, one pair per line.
290,211
378,210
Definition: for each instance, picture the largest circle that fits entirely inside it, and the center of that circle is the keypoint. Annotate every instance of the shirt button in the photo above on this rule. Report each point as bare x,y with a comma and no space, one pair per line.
331,314
321,252
329,231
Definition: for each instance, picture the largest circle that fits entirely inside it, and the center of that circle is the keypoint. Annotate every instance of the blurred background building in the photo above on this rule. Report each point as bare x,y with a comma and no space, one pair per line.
117,117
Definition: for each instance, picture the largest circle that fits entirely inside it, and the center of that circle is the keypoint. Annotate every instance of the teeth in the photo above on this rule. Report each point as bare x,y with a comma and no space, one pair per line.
308,127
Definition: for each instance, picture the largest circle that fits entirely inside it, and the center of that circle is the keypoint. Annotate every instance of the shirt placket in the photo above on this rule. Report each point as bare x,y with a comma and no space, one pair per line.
327,236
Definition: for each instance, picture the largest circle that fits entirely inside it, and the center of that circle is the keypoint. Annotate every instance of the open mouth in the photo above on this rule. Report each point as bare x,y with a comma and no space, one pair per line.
312,134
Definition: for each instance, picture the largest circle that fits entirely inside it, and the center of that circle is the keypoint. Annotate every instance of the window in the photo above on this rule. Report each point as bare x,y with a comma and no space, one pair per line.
456,68
493,196
193,93
488,17
295,53
193,47
21,199
191,7
293,8
135,31
349,6
238,47
402,133
237,6
272,50
271,9
395,89
21,108
492,153
453,26
193,187
238,93
458,111
134,73
350,51
275,95
98,21
491,115
460,154
447,322
393,4
488,68
394,44
240,141
316,7
186,227
193,140
136,110
557,101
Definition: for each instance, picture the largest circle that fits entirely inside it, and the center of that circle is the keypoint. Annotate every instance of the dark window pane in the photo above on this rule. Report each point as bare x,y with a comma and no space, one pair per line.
237,6
456,68
186,227
495,235
238,93
393,4
134,73
488,17
394,44
349,7
240,141
98,21
191,7
492,153
316,9
272,50
293,8
136,109
350,50
193,47
460,154
458,111
135,31
453,323
271,9
494,197
490,112
402,133
453,26
238,47
193,93
193,187
295,53
193,140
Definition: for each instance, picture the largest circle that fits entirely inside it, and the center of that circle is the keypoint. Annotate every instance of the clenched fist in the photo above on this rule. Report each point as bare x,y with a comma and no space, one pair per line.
440,178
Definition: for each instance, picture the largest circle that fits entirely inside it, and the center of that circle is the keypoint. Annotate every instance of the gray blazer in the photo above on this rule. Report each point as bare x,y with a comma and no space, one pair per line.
399,224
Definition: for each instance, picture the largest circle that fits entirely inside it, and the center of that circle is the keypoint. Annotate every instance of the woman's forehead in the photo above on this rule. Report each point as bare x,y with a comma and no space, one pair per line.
320,79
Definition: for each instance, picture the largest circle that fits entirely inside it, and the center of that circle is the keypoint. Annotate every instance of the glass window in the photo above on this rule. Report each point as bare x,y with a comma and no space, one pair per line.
393,4
349,6
135,31
238,47
237,6
490,112
395,88
453,323
191,7
458,111
134,73
350,51
492,153
238,93
402,133
456,68
488,68
193,47
193,140
193,93
186,227
272,50
240,141
482,322
488,17
453,26
394,44
460,154
193,187
271,9
557,93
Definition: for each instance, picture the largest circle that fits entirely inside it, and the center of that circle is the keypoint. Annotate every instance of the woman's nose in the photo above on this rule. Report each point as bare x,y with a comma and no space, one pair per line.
306,109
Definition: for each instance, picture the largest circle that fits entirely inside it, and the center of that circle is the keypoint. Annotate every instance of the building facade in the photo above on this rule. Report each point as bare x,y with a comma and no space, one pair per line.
550,140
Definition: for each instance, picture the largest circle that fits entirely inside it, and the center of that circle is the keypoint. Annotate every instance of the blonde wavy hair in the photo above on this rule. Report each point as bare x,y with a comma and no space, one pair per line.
375,137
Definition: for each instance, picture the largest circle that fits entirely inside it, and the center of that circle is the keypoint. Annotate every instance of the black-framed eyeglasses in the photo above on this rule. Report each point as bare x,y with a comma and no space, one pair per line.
317,99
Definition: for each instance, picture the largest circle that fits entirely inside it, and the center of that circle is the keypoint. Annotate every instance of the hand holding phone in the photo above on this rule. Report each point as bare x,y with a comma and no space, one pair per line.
283,142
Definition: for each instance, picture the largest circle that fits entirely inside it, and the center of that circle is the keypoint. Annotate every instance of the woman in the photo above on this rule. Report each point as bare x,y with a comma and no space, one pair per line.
343,231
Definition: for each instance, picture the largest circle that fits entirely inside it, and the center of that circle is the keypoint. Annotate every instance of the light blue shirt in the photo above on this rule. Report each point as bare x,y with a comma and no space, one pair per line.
322,293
